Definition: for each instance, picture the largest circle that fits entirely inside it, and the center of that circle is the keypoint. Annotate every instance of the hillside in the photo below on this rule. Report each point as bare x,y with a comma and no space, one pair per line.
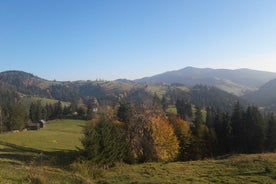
265,96
199,95
24,82
28,84
110,92
238,82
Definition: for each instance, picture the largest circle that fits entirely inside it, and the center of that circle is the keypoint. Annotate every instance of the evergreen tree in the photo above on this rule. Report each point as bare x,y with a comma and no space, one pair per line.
125,112
37,111
103,142
210,117
255,134
200,142
223,130
164,103
184,109
16,117
58,110
198,120
271,133
239,129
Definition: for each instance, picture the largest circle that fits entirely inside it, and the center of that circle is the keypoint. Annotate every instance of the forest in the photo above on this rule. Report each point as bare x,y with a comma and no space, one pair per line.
140,133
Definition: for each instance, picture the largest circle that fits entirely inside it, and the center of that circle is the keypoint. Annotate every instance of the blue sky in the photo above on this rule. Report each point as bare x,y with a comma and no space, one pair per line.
111,39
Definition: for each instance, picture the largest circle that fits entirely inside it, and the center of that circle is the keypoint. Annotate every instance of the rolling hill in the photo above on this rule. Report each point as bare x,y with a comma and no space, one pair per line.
238,82
118,91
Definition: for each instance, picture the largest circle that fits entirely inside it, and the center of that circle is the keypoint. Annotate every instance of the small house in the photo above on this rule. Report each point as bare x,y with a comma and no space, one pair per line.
42,123
33,126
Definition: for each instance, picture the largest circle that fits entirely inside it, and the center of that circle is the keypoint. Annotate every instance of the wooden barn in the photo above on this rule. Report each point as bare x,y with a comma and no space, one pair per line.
33,126
37,125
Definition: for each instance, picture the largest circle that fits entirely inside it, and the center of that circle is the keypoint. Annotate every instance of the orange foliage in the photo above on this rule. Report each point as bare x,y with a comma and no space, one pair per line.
165,142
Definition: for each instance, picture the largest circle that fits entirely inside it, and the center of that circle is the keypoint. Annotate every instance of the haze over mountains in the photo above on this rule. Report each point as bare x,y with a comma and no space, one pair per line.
256,87
238,82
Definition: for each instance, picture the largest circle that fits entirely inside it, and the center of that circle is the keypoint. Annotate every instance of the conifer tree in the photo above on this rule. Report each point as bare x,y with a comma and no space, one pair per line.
255,133
271,133
103,142
238,129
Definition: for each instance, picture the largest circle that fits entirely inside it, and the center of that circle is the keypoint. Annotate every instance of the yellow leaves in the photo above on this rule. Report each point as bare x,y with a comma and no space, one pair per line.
165,142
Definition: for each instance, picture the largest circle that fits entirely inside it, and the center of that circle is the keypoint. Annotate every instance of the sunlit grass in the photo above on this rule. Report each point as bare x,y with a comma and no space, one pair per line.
49,156
57,135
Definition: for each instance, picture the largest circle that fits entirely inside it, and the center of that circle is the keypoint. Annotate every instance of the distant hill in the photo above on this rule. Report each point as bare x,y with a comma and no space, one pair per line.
238,82
23,82
30,85
111,92
265,96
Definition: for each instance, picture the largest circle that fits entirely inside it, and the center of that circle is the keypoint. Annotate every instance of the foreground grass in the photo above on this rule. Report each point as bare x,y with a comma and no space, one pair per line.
48,156
41,156
236,169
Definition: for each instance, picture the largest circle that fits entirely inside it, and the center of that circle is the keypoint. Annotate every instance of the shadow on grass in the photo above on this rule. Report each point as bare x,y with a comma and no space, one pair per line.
58,158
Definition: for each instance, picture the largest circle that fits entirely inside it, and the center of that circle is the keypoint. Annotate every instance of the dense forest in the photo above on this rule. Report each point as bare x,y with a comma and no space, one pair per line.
140,133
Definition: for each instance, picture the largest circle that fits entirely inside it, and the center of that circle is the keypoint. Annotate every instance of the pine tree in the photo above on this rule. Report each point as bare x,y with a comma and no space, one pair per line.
184,109
103,142
271,133
223,131
198,120
255,134
239,129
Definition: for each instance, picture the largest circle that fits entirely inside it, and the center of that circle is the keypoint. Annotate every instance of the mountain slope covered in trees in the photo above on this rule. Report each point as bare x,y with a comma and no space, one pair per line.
110,92
238,82
265,96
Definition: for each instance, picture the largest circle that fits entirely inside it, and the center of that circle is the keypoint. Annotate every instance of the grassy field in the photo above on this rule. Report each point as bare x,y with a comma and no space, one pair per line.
48,156
35,156
28,100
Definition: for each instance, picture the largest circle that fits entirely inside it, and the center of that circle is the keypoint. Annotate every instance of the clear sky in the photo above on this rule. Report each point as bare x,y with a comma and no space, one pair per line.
111,39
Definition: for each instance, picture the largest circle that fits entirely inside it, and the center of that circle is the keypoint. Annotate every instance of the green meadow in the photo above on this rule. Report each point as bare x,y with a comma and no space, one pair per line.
49,156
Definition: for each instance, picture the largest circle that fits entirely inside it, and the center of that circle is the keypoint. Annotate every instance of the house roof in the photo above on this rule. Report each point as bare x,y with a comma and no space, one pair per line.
42,121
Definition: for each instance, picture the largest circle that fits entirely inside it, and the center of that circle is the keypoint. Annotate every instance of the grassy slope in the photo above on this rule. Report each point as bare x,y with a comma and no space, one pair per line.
21,162
44,101
33,156
237,169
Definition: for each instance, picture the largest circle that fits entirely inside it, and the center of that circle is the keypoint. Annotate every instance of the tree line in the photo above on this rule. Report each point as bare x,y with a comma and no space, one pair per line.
58,110
142,133
13,114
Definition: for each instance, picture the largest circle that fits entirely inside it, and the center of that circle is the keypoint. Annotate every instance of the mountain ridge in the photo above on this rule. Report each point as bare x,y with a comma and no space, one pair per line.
238,81
118,91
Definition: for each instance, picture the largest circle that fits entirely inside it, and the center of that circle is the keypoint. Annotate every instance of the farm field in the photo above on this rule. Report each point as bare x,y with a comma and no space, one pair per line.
48,156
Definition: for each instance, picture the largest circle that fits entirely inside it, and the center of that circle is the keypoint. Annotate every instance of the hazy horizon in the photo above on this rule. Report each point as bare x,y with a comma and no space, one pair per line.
37,75
88,40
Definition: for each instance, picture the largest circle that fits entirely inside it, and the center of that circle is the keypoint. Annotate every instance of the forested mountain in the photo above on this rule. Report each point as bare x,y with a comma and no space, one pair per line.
28,84
198,95
114,92
238,82
265,96
24,82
